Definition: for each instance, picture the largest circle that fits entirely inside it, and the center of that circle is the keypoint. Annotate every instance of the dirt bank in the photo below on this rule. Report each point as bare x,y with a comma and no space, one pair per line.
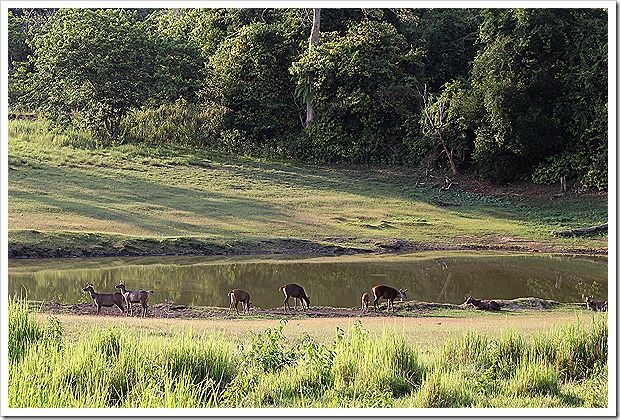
58,245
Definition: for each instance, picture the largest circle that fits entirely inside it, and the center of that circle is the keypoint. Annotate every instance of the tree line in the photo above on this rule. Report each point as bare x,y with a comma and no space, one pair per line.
507,93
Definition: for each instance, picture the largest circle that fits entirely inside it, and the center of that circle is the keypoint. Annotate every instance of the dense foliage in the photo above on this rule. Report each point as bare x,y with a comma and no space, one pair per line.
512,93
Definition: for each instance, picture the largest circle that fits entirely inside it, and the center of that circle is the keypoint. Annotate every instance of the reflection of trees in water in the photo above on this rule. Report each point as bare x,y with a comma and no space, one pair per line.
338,284
594,289
450,287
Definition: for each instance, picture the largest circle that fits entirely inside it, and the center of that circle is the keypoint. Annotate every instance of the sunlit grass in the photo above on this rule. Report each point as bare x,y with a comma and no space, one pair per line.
129,366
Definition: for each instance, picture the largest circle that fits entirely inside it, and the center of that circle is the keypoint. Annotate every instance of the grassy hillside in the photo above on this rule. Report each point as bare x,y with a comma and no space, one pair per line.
67,200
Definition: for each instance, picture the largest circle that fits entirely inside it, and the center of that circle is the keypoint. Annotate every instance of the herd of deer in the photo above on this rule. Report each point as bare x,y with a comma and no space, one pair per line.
290,290
118,298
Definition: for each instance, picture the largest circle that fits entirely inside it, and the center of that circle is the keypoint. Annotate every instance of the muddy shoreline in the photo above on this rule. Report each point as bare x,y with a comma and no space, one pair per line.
411,309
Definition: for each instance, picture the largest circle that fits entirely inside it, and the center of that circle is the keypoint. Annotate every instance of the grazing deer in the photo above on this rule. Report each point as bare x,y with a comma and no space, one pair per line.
236,296
365,302
135,296
297,292
389,293
595,305
104,299
487,305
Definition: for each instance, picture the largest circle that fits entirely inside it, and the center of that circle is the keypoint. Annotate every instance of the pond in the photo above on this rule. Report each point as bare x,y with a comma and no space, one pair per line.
445,277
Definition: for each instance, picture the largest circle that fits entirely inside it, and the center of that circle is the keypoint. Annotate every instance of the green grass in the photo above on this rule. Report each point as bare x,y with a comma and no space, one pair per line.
66,195
127,366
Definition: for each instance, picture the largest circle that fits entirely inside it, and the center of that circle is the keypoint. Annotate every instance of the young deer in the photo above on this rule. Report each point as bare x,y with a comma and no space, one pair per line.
238,295
487,305
595,305
135,296
297,292
389,293
104,299
365,302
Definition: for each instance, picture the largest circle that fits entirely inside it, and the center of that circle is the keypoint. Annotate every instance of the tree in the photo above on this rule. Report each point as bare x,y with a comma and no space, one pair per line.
93,65
441,118
541,79
515,77
314,40
249,81
363,91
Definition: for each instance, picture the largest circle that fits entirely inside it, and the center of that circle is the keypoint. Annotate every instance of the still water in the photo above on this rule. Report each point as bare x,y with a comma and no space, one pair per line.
329,281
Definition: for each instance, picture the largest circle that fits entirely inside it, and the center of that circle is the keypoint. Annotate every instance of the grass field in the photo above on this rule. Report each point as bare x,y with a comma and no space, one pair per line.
425,332
360,365
64,198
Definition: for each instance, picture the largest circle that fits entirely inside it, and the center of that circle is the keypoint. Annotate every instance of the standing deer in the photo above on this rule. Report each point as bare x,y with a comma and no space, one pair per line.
297,292
236,296
487,305
104,299
135,296
365,302
389,293
595,305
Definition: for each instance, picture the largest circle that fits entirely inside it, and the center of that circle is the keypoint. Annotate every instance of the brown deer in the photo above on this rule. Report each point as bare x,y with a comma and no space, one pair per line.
389,293
595,305
104,299
365,302
236,296
487,305
297,292
135,296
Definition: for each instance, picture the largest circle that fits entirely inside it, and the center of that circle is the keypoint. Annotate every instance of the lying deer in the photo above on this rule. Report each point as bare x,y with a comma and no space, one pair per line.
595,305
238,295
389,293
487,305
365,302
104,299
297,292
135,296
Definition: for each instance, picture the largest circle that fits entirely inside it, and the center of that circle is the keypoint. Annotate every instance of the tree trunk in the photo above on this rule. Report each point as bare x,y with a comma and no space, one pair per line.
314,40
438,127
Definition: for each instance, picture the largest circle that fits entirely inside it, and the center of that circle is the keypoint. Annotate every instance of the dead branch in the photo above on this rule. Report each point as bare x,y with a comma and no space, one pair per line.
580,231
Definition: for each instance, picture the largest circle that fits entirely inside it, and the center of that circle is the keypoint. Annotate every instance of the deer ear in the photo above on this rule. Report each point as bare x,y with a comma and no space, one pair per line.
405,290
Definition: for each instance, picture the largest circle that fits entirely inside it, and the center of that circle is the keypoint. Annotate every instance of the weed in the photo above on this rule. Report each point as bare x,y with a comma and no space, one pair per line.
534,377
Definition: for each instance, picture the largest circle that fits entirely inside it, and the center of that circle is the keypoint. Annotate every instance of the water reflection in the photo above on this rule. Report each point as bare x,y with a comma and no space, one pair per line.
337,281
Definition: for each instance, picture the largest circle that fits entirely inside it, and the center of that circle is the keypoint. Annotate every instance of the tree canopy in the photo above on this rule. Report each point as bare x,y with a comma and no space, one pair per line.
509,93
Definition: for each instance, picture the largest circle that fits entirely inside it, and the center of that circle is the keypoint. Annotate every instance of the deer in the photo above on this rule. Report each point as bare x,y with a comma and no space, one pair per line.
365,302
135,296
236,296
104,299
487,305
297,292
389,293
595,305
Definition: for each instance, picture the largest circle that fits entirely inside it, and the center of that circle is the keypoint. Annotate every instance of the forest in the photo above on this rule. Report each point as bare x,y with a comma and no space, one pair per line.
508,94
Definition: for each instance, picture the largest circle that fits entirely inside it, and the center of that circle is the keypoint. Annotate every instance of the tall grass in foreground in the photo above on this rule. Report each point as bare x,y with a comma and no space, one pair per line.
566,367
